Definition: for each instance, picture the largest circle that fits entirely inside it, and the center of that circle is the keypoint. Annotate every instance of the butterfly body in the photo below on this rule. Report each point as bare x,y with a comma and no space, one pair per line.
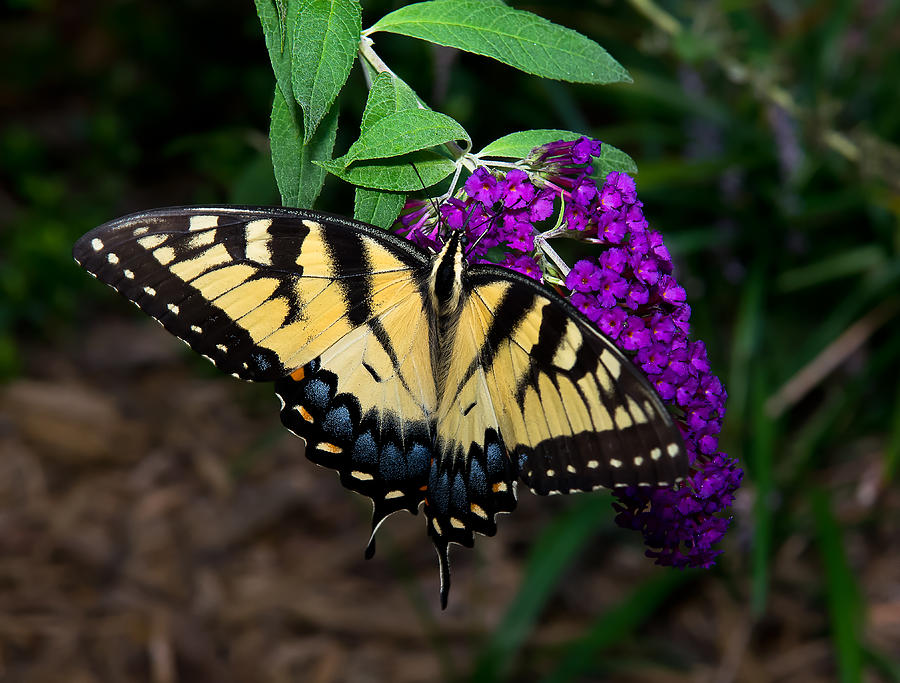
418,377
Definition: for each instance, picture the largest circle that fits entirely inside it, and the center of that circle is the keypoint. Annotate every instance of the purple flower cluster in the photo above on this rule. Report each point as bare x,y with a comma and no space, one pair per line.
630,293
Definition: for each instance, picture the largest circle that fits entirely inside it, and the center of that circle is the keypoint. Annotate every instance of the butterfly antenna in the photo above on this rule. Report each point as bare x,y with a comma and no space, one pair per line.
490,220
434,204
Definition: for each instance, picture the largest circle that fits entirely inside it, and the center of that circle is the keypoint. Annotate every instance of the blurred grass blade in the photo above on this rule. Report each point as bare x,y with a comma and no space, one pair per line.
748,330
848,262
551,555
886,665
746,415
892,453
760,447
844,604
617,623
876,286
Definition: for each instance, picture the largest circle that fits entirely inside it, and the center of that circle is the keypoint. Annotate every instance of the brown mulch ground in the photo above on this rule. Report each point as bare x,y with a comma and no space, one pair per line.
157,524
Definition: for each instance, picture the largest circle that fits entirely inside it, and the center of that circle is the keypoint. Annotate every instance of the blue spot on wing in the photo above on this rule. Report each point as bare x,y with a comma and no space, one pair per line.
477,481
262,363
391,465
495,459
417,461
458,495
338,423
318,394
364,450
439,490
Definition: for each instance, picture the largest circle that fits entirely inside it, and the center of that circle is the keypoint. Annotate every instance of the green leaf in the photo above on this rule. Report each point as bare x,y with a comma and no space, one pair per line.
326,37
278,19
395,174
520,39
403,132
844,603
388,95
299,178
519,145
613,159
377,207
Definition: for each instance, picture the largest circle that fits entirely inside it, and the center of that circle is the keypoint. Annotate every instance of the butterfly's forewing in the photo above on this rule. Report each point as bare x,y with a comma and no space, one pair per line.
259,291
575,412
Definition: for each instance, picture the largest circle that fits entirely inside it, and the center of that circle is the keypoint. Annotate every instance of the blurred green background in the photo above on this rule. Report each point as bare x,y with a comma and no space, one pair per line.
156,524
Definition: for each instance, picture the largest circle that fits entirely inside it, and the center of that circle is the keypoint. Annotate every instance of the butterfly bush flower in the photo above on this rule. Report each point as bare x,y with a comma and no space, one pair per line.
630,293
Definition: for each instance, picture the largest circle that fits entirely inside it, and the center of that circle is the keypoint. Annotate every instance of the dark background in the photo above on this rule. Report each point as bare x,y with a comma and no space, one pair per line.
156,522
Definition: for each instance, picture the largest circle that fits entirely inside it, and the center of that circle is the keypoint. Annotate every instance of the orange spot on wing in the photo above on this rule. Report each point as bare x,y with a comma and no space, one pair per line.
298,374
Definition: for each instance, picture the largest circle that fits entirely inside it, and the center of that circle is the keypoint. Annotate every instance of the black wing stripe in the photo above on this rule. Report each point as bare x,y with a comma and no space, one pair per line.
632,438
171,263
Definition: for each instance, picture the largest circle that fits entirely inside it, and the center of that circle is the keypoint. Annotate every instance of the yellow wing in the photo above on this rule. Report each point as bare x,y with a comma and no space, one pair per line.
533,391
575,412
258,291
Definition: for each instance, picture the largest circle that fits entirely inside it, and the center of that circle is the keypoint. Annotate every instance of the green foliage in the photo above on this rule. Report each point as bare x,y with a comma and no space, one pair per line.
388,95
377,207
520,39
399,174
299,179
312,44
402,132
326,36
841,589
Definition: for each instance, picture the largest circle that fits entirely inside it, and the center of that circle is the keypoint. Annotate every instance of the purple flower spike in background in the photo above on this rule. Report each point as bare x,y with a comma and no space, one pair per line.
629,291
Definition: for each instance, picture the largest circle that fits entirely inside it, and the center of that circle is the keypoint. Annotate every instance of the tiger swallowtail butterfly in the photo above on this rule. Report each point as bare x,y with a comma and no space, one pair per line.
418,377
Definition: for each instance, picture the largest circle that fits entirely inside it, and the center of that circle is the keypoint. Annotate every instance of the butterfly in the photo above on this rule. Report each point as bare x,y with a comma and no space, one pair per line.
419,377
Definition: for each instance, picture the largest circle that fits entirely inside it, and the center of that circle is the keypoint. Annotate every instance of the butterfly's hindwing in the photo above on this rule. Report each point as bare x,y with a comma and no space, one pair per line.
376,454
